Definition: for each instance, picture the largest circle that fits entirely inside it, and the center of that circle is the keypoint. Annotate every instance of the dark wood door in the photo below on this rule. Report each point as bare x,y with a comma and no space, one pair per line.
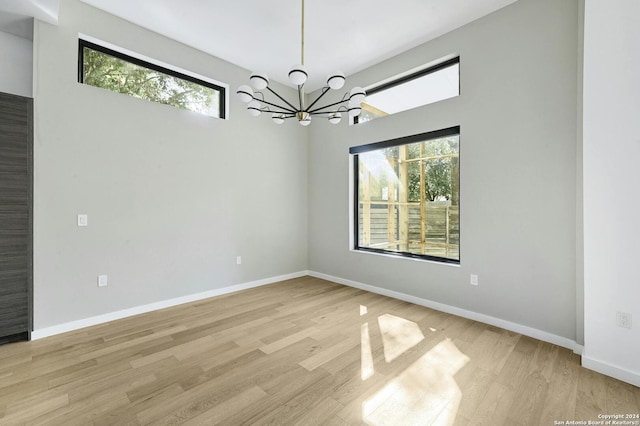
16,143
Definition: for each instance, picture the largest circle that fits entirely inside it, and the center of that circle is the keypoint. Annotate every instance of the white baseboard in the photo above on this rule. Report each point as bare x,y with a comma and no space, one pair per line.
587,362
507,325
100,319
611,370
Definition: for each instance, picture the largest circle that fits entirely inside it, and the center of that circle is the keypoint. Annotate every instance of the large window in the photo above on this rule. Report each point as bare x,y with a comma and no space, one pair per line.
428,85
112,70
407,196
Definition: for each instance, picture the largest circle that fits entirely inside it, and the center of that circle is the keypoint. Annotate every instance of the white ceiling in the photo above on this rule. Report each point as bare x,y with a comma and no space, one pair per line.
16,15
259,35
264,35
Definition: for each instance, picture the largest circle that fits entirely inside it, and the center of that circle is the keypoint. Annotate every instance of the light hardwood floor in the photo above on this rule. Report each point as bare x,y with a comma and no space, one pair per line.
303,351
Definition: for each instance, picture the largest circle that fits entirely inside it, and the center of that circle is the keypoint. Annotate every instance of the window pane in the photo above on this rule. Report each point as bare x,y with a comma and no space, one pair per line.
118,74
408,199
426,88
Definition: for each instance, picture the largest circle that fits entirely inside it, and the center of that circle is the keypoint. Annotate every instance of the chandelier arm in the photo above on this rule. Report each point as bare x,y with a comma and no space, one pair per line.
293,109
325,89
284,114
327,106
284,109
326,112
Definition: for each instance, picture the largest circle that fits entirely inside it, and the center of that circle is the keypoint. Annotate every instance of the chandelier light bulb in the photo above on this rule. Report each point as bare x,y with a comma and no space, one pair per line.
245,93
304,118
298,75
357,95
335,117
259,80
277,118
336,80
254,108
354,111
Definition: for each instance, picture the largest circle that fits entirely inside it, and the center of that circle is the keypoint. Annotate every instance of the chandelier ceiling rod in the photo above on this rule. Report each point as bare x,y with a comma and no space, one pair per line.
257,104
302,37
301,89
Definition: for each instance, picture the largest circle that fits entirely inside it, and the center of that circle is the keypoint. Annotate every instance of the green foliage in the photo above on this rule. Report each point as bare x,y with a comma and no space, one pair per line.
438,171
111,73
438,168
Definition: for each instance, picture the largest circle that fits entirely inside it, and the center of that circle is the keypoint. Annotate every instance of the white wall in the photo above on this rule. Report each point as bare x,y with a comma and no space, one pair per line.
611,177
172,196
518,116
16,65
579,225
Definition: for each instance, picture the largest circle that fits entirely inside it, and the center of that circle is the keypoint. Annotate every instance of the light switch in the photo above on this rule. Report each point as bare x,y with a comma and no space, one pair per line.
83,220
103,280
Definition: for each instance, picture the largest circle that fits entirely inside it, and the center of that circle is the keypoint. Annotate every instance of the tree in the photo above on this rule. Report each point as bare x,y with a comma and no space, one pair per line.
439,159
438,169
115,74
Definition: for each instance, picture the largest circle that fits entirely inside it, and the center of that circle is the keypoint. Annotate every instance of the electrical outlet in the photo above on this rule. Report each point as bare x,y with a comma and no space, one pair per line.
238,260
103,280
473,280
623,319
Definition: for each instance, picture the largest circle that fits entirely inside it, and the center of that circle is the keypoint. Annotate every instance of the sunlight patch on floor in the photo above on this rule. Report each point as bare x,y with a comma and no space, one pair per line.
398,335
425,393
366,357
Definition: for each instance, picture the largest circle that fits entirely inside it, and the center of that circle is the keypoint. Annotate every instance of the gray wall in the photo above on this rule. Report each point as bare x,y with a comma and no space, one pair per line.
172,196
16,69
518,116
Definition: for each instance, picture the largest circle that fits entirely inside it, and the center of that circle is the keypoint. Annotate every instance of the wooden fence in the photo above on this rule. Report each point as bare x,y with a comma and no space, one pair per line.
441,224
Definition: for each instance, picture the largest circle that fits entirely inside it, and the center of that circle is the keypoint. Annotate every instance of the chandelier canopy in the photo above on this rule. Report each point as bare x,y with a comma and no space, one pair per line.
281,109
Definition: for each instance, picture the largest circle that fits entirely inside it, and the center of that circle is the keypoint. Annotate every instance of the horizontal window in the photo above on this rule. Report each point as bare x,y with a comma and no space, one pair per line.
102,67
420,88
407,196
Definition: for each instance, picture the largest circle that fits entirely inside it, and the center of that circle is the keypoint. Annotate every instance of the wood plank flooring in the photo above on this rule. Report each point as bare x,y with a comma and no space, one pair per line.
300,352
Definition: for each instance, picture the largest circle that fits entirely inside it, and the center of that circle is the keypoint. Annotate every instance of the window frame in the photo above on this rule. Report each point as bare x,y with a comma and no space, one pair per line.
84,42
412,76
355,151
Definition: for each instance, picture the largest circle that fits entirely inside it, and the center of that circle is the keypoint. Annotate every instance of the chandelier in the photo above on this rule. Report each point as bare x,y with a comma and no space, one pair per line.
281,109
